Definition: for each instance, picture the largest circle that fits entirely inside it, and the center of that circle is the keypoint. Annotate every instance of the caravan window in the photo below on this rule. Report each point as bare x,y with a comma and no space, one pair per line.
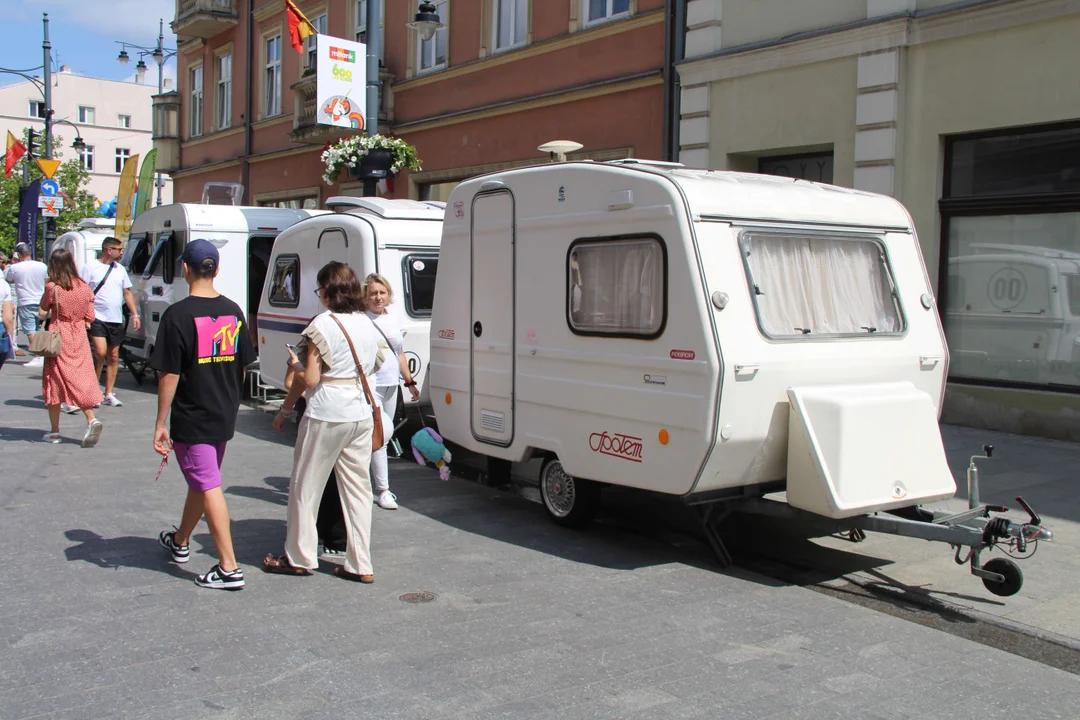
285,284
419,273
163,261
814,286
136,254
617,287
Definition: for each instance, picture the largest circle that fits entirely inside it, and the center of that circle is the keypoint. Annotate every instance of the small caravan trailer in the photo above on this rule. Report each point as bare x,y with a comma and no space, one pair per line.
84,244
398,239
711,335
244,237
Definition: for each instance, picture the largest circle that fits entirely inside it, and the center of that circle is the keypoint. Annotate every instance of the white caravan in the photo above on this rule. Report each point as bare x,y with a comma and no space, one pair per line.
84,244
711,335
398,239
244,237
1020,312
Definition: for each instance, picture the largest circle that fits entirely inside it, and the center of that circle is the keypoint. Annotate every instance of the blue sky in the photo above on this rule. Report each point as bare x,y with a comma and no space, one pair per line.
83,34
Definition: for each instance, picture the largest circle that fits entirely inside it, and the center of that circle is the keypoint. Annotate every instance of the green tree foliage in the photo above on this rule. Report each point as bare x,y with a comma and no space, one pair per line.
78,202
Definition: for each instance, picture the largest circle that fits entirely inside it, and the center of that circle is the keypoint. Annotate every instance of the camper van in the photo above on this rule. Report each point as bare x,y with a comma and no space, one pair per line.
398,239
244,237
1020,312
690,333
84,244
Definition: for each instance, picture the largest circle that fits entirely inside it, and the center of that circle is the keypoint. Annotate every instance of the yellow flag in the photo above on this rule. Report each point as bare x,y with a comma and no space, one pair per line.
125,198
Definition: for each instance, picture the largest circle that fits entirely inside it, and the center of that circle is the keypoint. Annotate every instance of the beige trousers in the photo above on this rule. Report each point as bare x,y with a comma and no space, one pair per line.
344,447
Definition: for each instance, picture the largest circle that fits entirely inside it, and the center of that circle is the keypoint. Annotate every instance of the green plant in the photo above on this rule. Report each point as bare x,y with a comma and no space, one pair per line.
348,152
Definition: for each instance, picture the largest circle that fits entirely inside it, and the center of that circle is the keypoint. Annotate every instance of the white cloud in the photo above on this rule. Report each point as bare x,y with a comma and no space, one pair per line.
132,20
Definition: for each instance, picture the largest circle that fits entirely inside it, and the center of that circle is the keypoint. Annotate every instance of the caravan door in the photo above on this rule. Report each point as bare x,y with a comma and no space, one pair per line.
491,318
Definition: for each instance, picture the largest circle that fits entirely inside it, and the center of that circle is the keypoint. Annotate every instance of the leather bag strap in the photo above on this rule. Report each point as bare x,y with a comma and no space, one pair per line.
359,368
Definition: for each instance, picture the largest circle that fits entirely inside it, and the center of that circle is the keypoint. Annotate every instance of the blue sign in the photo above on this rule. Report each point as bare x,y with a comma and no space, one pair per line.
50,188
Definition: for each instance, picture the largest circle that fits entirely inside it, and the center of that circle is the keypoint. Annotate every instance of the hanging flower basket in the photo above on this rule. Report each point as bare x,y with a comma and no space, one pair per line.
368,156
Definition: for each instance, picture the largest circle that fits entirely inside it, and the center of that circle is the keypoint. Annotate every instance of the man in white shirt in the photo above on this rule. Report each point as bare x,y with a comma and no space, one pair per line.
7,323
28,276
112,290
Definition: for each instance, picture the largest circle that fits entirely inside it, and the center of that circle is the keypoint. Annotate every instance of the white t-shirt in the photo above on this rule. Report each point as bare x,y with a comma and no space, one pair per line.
29,278
389,375
342,403
5,292
109,301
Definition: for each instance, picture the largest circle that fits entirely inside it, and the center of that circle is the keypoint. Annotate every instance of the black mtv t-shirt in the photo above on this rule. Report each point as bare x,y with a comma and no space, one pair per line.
206,342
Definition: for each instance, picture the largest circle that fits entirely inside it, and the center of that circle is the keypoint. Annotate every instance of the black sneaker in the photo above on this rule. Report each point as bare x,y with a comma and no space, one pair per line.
218,579
180,553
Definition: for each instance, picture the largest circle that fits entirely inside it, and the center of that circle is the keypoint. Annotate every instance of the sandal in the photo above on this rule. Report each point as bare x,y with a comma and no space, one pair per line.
346,575
280,565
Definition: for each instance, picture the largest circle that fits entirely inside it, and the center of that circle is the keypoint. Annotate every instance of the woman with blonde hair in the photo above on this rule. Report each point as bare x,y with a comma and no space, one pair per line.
68,304
378,297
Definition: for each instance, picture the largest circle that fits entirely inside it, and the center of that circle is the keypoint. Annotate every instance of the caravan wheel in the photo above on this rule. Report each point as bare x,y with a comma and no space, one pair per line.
569,501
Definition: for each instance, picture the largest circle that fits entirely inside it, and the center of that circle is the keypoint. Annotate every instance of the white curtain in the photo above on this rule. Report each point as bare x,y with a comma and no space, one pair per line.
820,285
617,286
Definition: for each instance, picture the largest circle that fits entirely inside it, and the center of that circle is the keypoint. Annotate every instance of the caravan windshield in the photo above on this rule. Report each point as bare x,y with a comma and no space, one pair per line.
807,286
136,254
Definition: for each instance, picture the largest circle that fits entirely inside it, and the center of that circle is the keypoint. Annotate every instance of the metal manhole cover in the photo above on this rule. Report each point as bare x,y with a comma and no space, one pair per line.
418,597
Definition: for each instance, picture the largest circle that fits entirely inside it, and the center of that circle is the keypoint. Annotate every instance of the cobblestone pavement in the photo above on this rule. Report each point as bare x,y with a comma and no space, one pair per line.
530,620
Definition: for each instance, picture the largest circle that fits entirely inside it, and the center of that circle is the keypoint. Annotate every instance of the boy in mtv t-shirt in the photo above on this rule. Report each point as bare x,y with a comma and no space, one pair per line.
202,348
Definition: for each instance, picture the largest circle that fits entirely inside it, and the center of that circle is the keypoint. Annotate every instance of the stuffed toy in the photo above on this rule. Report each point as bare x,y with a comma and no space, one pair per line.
428,446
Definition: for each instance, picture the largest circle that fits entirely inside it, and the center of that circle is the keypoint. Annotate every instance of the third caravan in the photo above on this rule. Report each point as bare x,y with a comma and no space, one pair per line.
399,239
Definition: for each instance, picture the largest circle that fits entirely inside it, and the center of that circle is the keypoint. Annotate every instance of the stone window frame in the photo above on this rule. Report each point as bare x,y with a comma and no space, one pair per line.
489,30
579,12
218,55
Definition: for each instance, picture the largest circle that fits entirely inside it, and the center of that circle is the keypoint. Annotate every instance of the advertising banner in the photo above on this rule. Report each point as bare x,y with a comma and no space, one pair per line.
125,203
28,215
340,83
146,183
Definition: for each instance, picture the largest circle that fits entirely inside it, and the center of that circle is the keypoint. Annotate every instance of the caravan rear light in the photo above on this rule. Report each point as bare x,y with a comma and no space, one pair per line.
664,437
447,398
263,339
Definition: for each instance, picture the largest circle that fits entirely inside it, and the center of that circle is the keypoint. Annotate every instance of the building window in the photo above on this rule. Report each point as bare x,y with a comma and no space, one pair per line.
511,23
812,286
37,109
437,191
817,167
285,282
433,52
196,106
617,287
419,272
319,23
361,24
122,154
224,91
123,121
1010,265
600,10
272,77
298,203
86,115
86,157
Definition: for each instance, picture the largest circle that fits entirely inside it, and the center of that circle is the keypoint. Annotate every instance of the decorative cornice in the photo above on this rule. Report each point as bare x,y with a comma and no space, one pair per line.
269,10
541,48
191,45
210,137
209,167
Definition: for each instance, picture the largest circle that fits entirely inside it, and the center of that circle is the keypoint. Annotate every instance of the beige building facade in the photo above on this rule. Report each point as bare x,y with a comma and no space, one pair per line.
968,113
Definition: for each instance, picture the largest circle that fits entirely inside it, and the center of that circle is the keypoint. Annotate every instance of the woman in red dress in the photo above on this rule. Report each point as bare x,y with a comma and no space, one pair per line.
68,305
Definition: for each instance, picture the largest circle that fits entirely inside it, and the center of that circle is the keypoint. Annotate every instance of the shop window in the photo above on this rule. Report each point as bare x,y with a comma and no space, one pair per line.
810,286
817,167
1011,257
285,283
419,272
617,287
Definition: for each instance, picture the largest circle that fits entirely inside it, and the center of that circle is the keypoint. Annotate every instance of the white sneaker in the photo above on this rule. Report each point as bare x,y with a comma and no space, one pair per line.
112,401
36,362
51,437
387,500
69,409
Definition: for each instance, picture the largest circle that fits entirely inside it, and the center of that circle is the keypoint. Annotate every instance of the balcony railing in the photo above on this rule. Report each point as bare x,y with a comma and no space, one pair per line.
204,18
307,130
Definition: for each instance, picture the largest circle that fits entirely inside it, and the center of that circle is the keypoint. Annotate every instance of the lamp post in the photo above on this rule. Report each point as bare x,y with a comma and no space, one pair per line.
79,145
160,54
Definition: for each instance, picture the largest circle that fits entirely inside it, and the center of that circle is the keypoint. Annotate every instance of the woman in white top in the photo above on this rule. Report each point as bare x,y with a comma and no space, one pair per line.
335,432
378,296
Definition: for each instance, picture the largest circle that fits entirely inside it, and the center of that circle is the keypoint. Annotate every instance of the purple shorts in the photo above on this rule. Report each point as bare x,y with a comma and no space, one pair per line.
201,464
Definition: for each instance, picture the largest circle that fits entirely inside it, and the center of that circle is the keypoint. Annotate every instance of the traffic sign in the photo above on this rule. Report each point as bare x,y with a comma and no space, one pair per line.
50,207
48,167
51,188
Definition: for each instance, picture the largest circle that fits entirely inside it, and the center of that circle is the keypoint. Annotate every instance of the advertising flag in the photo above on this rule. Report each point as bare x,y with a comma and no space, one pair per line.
300,28
28,214
146,183
340,82
15,150
125,204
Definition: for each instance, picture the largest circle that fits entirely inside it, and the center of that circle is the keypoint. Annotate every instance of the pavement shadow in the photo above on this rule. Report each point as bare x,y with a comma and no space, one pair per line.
125,551
256,424
34,435
37,404
253,539
276,490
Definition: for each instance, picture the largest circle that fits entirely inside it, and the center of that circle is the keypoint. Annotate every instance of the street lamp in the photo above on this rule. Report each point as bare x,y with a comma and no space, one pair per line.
160,54
79,145
426,21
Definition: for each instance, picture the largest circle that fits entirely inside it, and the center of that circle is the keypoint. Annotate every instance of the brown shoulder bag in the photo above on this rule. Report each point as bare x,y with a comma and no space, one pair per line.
376,413
48,343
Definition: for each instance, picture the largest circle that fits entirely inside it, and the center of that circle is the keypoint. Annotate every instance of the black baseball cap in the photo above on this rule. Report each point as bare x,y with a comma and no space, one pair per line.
197,252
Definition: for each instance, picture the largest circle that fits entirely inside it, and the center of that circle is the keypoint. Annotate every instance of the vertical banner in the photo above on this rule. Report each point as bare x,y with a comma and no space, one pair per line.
146,184
125,204
340,82
28,215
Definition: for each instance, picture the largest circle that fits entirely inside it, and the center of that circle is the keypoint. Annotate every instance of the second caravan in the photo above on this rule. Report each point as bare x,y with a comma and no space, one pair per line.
398,239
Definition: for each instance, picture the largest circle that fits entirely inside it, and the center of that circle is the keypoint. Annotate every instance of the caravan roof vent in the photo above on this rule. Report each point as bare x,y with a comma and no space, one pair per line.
655,163
97,222
386,208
